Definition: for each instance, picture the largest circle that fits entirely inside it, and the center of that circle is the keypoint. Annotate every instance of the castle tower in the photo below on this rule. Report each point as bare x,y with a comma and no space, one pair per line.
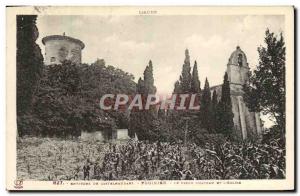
247,124
61,47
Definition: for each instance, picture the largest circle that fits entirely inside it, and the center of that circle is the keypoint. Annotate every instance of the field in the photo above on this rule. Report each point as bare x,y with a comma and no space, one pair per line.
47,159
55,159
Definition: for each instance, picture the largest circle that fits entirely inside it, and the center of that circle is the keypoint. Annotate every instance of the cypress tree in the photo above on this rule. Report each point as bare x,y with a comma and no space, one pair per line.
135,115
225,98
185,78
224,111
205,108
149,79
142,122
29,61
195,83
214,104
177,88
140,87
29,65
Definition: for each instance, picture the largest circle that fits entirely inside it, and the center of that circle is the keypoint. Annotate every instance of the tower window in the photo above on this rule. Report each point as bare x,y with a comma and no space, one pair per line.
240,60
52,59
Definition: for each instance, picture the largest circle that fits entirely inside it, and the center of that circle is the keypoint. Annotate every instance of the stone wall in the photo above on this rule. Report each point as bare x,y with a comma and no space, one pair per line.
119,134
92,136
122,134
246,124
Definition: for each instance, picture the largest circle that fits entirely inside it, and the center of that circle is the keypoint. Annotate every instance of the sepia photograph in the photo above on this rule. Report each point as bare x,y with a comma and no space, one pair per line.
150,98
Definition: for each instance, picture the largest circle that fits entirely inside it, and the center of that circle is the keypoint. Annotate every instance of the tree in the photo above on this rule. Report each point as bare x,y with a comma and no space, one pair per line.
214,104
195,83
177,88
97,80
29,62
205,108
143,122
149,79
185,78
57,102
66,101
188,84
29,68
63,99
224,117
135,114
265,91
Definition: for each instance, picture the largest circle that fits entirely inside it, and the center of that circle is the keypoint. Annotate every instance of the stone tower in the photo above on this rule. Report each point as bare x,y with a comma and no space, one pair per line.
237,68
61,47
247,124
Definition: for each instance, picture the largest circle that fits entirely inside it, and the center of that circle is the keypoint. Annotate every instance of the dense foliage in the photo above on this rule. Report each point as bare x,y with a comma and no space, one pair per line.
206,108
143,122
268,80
224,115
214,116
195,83
29,64
67,100
185,77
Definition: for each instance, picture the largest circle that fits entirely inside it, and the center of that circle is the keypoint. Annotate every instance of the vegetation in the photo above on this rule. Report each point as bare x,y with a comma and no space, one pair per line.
224,115
63,100
206,109
195,83
143,122
185,77
67,100
268,80
45,159
29,66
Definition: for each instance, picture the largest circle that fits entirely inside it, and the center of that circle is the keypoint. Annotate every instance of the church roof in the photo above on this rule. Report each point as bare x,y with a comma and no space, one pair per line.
236,55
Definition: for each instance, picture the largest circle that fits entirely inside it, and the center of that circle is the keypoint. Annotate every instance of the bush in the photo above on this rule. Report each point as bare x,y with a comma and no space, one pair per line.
202,139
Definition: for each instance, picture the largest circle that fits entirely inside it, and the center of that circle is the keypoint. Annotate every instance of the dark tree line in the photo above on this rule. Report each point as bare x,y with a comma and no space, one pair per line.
215,115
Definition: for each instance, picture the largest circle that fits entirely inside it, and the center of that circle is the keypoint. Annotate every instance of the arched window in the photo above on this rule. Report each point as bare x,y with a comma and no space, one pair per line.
63,53
240,60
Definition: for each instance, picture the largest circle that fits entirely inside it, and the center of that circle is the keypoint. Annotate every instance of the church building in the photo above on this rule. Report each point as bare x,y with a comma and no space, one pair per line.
246,124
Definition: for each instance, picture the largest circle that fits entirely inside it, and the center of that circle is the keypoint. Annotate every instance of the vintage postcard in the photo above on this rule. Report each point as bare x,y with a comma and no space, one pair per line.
150,98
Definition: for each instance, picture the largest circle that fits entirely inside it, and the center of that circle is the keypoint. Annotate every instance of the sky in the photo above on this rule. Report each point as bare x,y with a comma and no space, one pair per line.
129,42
